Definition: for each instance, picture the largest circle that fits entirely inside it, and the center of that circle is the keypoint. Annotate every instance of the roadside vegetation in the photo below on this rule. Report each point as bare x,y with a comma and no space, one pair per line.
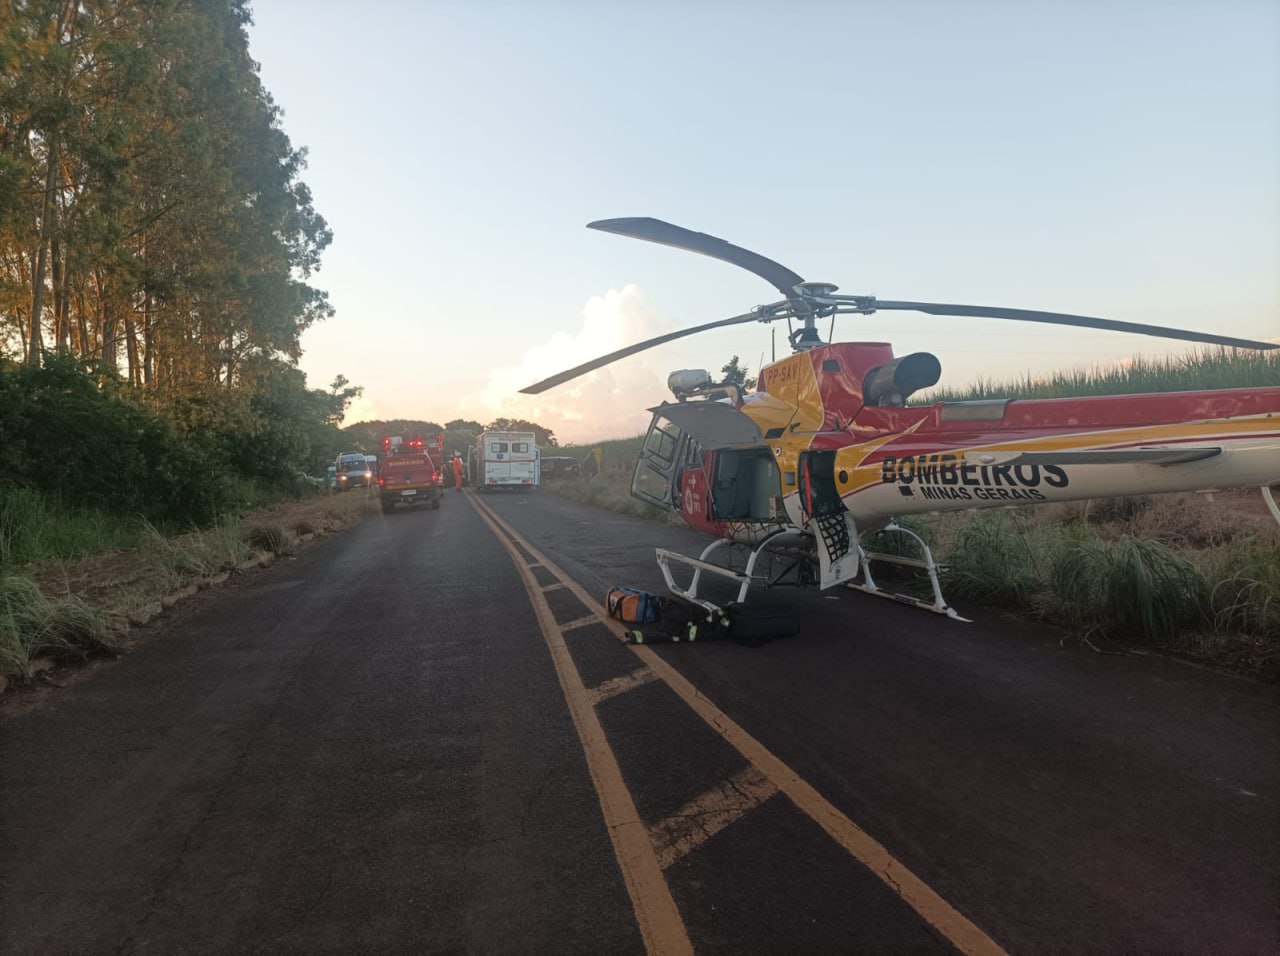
157,244
91,466
1175,573
60,611
605,481
1170,572
1197,369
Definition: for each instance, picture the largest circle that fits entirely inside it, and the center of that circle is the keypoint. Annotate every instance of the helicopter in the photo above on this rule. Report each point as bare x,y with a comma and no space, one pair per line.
792,478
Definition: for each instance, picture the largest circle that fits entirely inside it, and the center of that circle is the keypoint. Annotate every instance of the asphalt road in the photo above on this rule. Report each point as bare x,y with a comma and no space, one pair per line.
369,748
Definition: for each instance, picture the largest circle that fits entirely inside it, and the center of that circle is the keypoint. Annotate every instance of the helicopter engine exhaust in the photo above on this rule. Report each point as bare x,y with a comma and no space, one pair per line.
688,381
894,382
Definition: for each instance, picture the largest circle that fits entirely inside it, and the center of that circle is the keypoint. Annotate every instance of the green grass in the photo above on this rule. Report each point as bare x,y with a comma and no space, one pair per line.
1130,590
1169,572
611,488
33,625
271,536
1201,369
993,559
96,573
608,492
617,456
33,529
179,560
1244,594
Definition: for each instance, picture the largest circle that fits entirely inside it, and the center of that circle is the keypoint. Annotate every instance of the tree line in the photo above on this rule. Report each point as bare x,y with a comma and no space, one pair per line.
156,249
458,435
151,214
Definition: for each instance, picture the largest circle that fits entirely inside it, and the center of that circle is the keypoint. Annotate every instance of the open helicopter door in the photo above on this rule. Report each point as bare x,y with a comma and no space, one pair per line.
675,427
827,519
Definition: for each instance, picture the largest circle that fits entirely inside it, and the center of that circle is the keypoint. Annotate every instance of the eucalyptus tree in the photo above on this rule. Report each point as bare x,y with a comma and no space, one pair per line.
153,205
224,233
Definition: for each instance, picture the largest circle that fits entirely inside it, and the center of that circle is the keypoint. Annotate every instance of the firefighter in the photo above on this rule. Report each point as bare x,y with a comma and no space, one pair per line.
457,471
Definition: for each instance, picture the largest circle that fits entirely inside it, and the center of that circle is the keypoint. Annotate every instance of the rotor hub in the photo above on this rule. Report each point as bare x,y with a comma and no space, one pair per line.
816,288
806,337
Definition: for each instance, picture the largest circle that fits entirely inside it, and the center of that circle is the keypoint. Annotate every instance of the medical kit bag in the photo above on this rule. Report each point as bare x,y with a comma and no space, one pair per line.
631,606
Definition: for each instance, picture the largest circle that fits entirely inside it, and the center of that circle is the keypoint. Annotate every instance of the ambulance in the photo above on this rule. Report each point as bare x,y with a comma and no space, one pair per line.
505,460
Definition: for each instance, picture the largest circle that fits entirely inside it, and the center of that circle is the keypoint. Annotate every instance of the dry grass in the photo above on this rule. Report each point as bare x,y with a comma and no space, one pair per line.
33,625
72,609
1182,573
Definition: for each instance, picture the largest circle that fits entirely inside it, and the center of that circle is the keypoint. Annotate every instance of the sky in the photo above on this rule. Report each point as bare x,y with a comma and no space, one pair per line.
1117,159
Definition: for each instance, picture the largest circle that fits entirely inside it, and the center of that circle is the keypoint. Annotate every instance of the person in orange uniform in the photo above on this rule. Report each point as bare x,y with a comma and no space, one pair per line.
457,471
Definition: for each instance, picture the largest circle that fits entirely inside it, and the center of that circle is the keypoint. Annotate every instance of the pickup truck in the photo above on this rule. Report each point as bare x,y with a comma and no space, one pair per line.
352,470
409,477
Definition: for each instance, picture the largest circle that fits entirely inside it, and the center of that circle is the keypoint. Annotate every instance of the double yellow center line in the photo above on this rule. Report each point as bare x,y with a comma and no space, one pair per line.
644,852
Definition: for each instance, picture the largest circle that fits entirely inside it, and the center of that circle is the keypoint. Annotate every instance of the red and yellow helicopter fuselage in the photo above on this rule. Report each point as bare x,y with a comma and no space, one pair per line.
828,443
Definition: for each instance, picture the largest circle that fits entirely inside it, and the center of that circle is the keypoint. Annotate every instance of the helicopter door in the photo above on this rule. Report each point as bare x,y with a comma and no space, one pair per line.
712,424
827,519
744,485
655,479
675,428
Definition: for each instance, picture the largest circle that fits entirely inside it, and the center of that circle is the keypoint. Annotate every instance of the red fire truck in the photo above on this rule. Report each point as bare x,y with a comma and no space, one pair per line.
409,473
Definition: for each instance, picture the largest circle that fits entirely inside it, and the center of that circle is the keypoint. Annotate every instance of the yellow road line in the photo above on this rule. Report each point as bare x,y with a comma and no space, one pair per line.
620,685
580,622
558,586
659,920
962,933
703,817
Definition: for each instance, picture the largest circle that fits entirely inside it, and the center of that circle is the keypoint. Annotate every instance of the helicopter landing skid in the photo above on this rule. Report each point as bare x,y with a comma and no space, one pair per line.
745,577
1269,498
939,605
702,563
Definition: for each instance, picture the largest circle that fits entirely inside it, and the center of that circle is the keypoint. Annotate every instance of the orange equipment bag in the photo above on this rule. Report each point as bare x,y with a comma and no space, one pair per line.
631,606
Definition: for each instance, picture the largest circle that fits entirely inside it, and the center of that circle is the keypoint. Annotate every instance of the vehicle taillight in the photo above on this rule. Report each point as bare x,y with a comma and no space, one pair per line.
382,481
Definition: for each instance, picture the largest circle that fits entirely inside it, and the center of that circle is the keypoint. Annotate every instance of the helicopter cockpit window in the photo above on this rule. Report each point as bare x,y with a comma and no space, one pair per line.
654,477
662,440
651,485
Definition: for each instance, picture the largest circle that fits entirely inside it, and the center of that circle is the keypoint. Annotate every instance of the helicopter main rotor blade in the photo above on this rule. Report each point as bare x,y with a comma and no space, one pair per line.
665,234
560,378
1082,321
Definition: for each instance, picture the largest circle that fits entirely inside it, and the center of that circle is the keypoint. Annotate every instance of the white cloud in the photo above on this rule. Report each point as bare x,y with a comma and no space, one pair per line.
363,409
607,403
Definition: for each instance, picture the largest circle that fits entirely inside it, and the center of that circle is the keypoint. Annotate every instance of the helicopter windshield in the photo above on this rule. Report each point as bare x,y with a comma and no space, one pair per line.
681,429
654,474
